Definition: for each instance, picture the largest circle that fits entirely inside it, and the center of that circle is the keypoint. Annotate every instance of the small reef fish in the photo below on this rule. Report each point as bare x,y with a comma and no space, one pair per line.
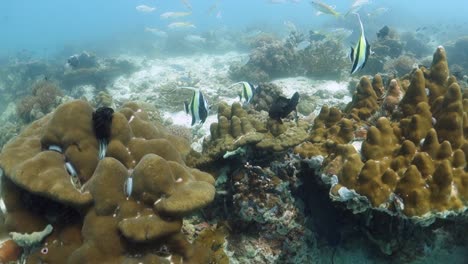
145,8
378,12
171,15
361,51
156,31
128,186
248,91
323,8
290,26
357,4
181,25
283,106
339,33
197,107
195,39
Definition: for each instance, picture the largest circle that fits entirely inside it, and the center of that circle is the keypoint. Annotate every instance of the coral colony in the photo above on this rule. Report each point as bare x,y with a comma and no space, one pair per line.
287,154
87,186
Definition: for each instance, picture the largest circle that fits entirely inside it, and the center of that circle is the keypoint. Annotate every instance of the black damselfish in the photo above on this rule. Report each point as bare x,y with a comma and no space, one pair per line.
283,106
102,122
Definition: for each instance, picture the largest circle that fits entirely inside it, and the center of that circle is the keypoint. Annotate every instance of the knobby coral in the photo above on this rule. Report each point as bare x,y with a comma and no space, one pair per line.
411,163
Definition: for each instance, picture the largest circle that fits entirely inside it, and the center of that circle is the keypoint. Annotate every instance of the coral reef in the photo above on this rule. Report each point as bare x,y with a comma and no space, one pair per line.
263,201
265,95
16,77
247,150
268,60
99,74
400,65
416,44
45,97
238,129
458,52
324,59
82,60
387,45
412,165
7,131
272,58
127,207
103,99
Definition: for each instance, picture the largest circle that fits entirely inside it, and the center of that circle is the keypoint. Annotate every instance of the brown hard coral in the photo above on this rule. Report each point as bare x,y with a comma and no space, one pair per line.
413,163
238,128
25,158
449,124
364,102
133,200
74,136
381,140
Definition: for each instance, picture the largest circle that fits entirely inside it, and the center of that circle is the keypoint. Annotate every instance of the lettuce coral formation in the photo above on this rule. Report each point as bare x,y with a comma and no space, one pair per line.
127,207
412,163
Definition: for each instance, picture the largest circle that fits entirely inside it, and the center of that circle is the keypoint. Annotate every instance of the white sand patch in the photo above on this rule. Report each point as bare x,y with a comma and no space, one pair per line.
211,72
309,86
183,119
328,92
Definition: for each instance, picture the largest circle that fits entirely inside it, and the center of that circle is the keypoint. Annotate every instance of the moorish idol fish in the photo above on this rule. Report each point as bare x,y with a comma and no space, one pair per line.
361,52
248,91
197,107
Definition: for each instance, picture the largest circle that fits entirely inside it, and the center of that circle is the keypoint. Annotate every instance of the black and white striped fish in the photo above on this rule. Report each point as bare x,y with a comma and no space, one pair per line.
197,107
247,93
361,51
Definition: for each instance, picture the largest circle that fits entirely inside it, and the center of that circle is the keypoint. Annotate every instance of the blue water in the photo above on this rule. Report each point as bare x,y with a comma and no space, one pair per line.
45,27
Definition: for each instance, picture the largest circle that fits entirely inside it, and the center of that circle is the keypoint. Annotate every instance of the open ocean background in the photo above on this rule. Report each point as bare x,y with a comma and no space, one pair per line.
44,28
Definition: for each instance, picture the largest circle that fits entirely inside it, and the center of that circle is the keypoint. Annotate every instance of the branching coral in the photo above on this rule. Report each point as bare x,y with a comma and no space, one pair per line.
400,65
42,101
272,59
324,59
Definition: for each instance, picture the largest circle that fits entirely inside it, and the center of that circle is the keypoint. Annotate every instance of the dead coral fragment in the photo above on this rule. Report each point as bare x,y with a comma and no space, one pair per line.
32,239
